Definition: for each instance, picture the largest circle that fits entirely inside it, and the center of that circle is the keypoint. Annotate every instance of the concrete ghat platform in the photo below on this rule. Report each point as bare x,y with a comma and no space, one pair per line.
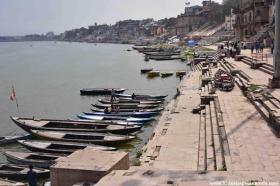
86,165
174,153
154,177
175,141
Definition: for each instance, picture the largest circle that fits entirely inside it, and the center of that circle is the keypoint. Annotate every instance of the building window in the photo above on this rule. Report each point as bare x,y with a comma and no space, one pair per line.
250,17
258,13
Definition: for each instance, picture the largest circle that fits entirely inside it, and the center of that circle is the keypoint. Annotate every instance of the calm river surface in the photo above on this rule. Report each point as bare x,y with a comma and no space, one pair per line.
47,77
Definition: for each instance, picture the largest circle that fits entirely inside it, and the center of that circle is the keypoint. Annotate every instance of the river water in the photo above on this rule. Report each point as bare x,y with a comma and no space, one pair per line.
47,77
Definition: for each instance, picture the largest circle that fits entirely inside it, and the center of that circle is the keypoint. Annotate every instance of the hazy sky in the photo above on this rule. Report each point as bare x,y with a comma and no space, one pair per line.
18,17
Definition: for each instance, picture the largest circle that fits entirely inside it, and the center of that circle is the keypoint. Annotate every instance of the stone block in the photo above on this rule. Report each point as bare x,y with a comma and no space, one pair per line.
87,165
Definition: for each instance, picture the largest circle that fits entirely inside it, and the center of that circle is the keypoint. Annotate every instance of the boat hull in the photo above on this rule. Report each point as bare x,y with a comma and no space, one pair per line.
126,106
141,96
77,126
93,91
124,114
25,161
81,138
127,119
19,172
159,109
59,147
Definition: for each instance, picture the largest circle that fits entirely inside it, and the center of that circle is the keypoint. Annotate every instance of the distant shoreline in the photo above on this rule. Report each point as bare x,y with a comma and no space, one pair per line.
16,41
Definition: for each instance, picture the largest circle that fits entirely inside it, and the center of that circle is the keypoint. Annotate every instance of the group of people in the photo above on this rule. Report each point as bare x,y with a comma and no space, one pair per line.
231,49
258,46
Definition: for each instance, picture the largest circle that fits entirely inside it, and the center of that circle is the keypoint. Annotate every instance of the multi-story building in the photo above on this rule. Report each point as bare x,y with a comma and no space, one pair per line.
192,18
230,21
252,16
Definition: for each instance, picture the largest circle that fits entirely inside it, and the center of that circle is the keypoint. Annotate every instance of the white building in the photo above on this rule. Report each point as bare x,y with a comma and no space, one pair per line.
230,21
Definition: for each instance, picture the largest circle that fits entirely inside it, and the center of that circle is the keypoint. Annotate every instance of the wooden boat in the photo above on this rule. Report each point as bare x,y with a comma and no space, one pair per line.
224,80
100,91
163,58
153,74
166,74
142,99
59,146
74,126
159,109
95,138
180,73
130,101
12,139
124,114
5,182
147,49
42,160
144,71
164,53
126,106
141,96
19,172
108,122
127,119
100,124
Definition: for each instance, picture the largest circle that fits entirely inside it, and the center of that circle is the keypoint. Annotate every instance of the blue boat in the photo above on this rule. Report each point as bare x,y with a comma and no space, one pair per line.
115,118
124,114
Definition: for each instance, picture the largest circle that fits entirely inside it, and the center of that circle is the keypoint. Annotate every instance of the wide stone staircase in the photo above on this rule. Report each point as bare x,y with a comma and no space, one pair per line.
213,145
264,99
267,28
256,64
213,149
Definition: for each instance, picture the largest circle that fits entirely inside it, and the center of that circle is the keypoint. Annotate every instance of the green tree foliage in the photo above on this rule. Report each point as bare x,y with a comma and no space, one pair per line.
219,11
228,5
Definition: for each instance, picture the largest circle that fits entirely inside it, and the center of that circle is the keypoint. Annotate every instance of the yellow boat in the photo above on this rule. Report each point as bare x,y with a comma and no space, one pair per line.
180,73
153,74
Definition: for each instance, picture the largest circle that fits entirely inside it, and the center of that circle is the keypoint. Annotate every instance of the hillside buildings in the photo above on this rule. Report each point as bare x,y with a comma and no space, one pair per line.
252,16
193,18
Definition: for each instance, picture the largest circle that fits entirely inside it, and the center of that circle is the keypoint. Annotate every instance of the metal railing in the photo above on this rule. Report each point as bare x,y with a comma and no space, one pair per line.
259,57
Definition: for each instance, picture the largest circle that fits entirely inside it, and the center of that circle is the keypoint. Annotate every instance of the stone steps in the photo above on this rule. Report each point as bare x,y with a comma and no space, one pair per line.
212,139
216,138
225,67
261,109
246,61
266,69
202,161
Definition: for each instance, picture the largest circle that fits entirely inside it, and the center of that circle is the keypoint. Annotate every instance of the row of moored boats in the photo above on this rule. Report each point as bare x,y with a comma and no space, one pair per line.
111,123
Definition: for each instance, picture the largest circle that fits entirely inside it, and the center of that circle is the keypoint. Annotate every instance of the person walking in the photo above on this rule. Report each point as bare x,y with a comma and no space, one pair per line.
261,47
31,176
272,47
252,49
257,47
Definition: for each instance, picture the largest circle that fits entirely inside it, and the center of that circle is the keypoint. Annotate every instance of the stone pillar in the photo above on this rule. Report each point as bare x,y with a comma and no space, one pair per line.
275,81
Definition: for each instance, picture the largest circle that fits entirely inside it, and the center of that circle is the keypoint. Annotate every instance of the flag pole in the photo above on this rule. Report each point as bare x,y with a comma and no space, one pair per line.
17,105
14,97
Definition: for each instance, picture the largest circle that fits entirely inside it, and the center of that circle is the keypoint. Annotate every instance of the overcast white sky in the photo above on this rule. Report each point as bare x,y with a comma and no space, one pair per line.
18,17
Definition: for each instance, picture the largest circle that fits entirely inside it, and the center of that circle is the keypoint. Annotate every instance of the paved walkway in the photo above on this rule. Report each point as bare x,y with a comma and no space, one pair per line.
175,143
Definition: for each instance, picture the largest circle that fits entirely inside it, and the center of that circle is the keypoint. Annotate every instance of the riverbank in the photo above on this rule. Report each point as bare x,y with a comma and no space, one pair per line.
229,141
